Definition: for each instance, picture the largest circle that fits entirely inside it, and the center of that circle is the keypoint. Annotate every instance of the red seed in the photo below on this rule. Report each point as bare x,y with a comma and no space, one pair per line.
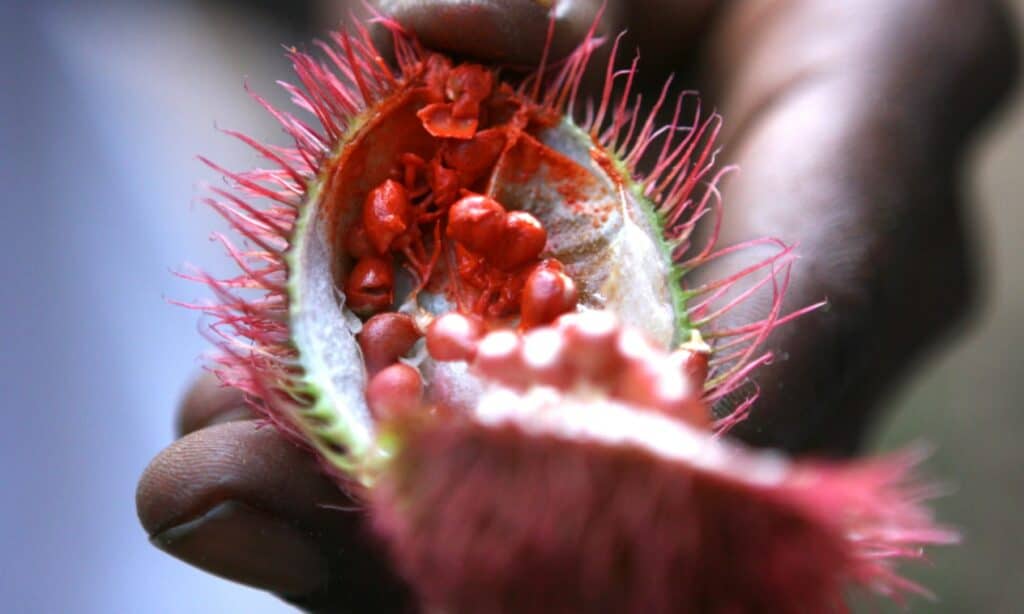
394,392
468,85
693,364
385,338
477,222
695,412
357,243
437,69
591,339
386,214
370,286
661,385
439,120
411,165
454,336
547,294
522,239
444,183
544,357
474,157
499,357
632,345
642,383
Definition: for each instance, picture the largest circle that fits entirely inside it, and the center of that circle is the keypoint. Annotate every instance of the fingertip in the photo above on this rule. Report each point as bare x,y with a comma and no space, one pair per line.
243,461
242,502
230,499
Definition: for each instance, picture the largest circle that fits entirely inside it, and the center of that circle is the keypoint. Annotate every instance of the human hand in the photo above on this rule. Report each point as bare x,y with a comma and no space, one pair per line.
849,122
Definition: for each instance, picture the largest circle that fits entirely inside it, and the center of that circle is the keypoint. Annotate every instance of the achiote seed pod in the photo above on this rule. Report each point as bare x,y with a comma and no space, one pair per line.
549,444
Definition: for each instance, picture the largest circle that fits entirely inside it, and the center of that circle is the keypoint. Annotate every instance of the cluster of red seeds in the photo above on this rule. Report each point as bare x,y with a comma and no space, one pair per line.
432,217
495,271
590,348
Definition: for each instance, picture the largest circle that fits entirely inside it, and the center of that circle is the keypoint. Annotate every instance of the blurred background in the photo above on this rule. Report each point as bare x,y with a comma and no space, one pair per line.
103,107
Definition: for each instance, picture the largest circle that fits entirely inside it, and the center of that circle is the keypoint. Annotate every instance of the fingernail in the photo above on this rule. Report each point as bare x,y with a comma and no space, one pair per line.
240,543
233,415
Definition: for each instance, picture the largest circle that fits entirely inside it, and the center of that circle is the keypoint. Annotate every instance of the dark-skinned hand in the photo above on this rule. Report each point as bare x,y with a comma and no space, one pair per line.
849,121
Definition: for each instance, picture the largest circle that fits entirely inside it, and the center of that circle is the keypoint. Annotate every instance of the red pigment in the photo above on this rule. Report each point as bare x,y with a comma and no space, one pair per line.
418,196
432,203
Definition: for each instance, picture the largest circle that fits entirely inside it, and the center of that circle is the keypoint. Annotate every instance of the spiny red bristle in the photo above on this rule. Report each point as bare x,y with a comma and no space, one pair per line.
492,519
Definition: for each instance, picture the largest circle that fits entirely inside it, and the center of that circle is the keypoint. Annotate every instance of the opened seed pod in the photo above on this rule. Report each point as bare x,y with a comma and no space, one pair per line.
460,292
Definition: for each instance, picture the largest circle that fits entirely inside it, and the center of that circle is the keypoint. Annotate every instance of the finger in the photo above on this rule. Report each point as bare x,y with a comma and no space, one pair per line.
210,402
849,122
239,501
505,31
515,31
